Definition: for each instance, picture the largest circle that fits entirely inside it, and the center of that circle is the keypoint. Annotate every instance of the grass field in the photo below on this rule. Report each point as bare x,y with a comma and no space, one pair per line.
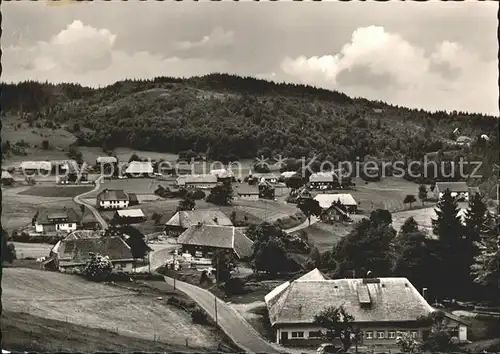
56,191
25,332
74,300
325,236
32,250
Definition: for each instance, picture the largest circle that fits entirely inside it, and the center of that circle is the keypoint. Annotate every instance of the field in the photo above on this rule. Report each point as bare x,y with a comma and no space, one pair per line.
325,236
55,191
19,209
71,299
25,332
32,250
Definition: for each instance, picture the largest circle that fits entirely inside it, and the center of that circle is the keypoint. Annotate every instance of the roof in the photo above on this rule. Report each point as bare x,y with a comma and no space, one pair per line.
6,175
139,167
326,200
314,274
390,300
288,174
36,165
132,197
130,213
106,159
81,234
77,251
47,218
188,218
452,186
321,177
222,173
245,189
112,194
219,237
206,178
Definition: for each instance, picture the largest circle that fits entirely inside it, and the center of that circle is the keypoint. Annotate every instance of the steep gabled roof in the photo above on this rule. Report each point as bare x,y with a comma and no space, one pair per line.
326,200
112,195
458,187
46,218
227,237
188,218
77,251
388,300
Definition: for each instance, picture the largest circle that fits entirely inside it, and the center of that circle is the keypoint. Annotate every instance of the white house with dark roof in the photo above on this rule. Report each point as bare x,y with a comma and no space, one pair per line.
381,307
112,199
204,181
326,200
35,167
247,192
204,240
62,220
182,220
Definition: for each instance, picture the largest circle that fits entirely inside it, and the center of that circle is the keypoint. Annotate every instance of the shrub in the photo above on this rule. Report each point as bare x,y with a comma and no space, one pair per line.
199,316
98,267
234,286
45,144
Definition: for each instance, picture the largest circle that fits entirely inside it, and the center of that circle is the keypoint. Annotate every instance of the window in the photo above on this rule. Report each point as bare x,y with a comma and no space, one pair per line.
315,334
392,334
369,335
414,334
380,334
297,334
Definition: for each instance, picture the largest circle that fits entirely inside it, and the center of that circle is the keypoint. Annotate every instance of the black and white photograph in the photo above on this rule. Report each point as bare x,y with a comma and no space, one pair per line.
302,177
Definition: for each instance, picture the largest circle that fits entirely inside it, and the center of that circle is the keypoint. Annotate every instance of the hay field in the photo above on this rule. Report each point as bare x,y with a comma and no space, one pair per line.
74,300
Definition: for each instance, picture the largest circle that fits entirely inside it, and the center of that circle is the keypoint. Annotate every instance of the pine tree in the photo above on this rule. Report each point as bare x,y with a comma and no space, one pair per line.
422,193
476,217
448,227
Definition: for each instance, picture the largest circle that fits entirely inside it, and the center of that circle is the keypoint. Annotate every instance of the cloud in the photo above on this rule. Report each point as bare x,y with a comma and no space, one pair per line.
217,38
382,65
84,54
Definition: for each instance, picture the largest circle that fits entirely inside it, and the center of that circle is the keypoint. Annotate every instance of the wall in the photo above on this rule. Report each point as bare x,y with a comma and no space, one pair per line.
38,228
66,227
106,204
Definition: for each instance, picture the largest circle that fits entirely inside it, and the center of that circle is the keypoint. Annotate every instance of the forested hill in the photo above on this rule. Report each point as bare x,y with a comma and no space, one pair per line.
228,117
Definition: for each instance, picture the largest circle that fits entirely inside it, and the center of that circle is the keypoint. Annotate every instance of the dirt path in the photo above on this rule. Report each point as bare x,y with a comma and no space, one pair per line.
77,199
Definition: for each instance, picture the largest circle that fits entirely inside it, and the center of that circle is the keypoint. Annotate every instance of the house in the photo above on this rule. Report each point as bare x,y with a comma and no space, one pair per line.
75,235
464,140
7,179
73,254
129,216
248,192
206,181
381,307
204,240
182,220
102,160
326,200
323,180
64,220
35,167
459,190
139,169
223,174
335,213
266,190
112,199
132,199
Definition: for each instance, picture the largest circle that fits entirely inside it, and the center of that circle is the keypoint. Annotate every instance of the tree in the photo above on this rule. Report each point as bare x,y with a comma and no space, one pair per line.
381,217
452,248
8,249
409,199
269,252
232,217
98,267
422,193
186,204
221,194
136,241
45,144
368,247
476,218
156,217
407,343
485,269
310,207
409,226
223,263
82,209
440,337
336,322
295,182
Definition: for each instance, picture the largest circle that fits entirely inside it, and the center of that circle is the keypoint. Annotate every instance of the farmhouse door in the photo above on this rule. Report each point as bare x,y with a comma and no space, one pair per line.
284,337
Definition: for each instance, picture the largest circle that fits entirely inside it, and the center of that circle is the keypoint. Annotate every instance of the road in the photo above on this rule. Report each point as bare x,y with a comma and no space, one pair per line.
94,211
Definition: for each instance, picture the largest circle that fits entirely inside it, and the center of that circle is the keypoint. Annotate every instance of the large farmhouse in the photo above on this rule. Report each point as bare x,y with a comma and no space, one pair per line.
112,199
206,181
248,192
36,167
73,254
459,190
324,180
129,216
326,201
182,220
139,169
64,220
204,240
381,307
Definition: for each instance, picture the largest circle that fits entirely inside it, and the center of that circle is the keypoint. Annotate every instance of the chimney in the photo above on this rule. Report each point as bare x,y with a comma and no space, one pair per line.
215,220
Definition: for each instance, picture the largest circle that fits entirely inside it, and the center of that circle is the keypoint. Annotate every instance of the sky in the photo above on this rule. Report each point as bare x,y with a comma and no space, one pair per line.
433,55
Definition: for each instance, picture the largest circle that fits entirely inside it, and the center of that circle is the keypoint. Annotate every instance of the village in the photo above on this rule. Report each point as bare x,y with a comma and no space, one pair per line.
248,248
